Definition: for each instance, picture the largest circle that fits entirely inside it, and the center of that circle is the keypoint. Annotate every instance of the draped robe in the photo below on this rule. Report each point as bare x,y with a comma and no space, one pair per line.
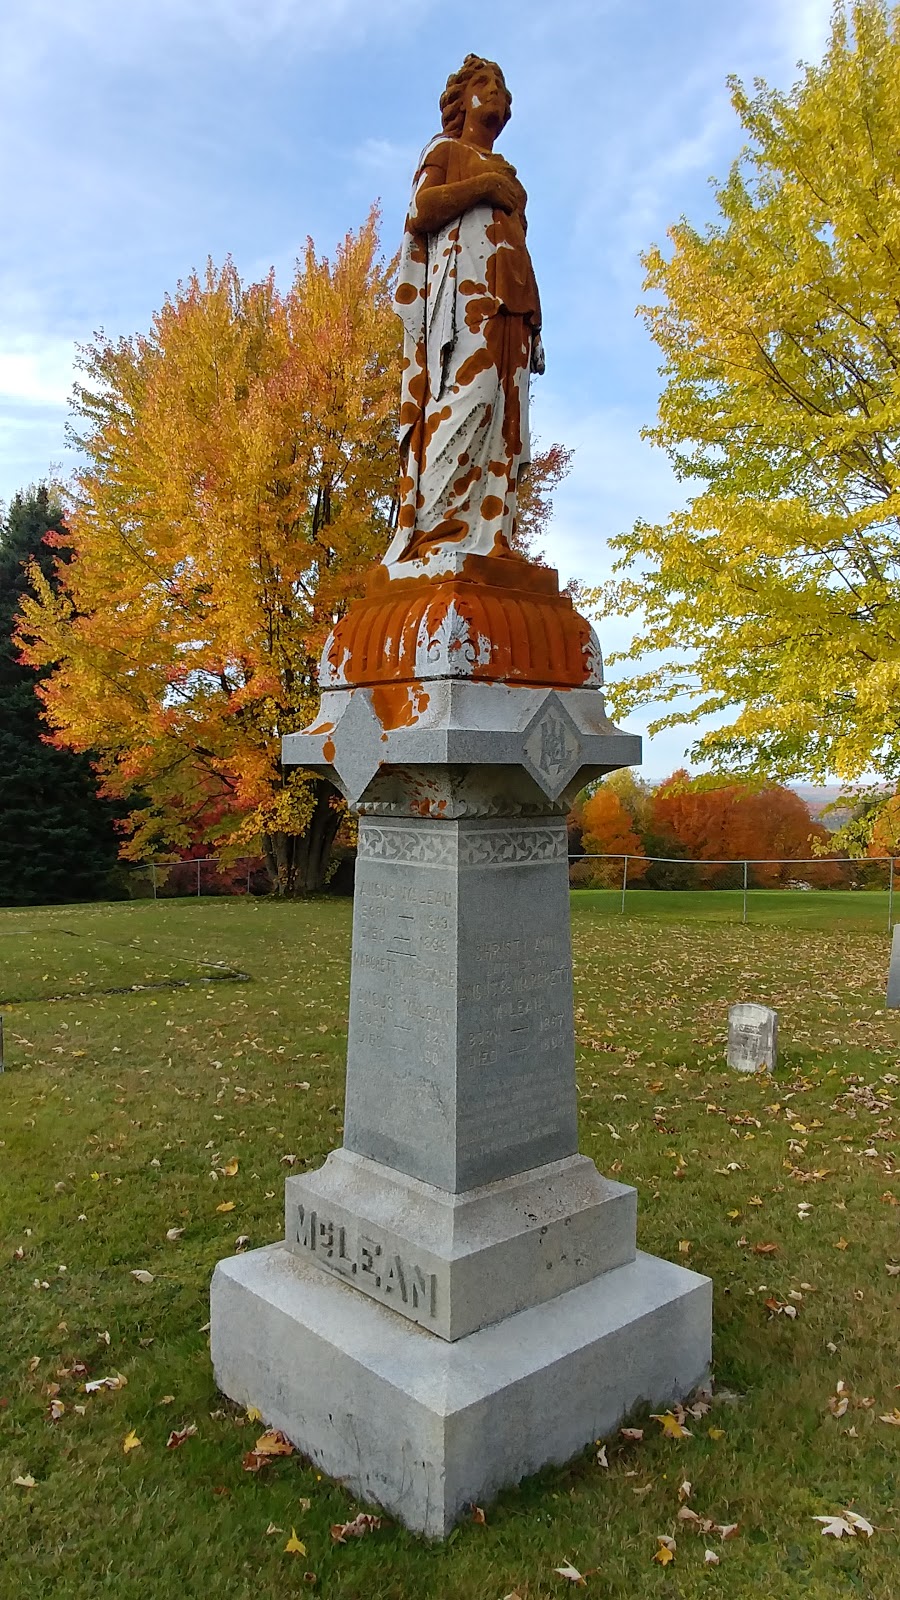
469,303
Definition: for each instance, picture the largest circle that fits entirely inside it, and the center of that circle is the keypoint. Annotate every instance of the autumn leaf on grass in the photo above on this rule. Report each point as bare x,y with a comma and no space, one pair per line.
273,1443
25,1482
765,1249
892,1417
230,1168
711,1558
174,1233
671,1427
253,1415
141,1276
178,1436
478,1514
840,1401
716,1433
117,1381
845,1524
227,1205
601,1457
633,1435
574,1576
357,1529
294,1546
666,1551
130,1442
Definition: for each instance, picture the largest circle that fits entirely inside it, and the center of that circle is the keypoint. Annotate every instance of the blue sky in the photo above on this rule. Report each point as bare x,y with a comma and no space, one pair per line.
138,137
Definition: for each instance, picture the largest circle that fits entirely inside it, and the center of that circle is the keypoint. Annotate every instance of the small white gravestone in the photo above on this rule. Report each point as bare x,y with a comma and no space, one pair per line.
893,988
752,1037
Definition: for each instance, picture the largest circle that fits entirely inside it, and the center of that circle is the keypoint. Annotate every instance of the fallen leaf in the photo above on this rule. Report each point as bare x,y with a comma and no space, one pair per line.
230,1168
117,1381
716,1433
362,1524
765,1249
273,1443
671,1427
711,1558
26,1482
844,1525
601,1457
634,1434
227,1205
574,1576
685,1514
478,1514
253,1415
842,1244
178,1436
294,1546
666,1551
142,1276
57,1410
684,1247
726,1530
273,1528
130,1442
174,1233
684,1490
893,1270
893,1417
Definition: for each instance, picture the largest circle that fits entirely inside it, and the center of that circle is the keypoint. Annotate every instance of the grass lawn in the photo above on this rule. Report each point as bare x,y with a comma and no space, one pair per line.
123,1113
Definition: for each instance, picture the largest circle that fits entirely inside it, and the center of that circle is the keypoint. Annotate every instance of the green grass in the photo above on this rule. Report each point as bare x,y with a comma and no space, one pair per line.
117,1109
819,908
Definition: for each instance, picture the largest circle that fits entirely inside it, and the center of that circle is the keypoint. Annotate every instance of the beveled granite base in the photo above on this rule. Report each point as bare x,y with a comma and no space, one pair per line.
424,1427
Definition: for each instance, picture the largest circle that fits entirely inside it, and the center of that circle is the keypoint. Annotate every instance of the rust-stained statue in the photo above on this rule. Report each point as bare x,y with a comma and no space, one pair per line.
469,303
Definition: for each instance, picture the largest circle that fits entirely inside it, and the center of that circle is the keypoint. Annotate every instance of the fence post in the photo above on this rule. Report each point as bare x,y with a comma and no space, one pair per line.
248,880
624,883
891,897
744,917
153,870
198,877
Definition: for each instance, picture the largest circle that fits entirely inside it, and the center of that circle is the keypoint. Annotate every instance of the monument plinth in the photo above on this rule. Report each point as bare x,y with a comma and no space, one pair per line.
458,1299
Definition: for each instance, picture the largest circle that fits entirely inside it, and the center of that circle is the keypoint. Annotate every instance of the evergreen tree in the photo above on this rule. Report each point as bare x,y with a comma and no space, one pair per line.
57,840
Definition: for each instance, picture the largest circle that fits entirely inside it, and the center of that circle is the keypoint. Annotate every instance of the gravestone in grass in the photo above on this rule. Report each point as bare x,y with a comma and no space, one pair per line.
752,1037
893,988
458,1299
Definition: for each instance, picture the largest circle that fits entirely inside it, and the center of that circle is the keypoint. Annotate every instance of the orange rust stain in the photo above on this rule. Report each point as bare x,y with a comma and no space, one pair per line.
406,294
491,507
399,705
328,750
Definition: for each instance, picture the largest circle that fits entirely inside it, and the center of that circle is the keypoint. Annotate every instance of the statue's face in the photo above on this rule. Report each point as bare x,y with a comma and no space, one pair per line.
486,93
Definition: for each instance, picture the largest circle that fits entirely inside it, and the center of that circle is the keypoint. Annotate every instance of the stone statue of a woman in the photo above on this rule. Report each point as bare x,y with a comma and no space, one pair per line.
469,303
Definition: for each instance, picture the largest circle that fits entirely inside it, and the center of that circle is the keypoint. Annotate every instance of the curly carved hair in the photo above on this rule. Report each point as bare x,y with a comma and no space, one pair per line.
453,110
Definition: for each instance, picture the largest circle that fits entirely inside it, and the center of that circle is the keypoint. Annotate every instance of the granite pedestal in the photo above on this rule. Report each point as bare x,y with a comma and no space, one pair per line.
458,1299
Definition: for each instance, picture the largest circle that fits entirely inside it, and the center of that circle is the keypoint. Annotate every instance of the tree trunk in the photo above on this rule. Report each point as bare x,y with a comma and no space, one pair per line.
298,863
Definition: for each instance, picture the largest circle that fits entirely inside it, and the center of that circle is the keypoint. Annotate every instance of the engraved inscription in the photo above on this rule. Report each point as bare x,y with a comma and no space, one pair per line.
373,1265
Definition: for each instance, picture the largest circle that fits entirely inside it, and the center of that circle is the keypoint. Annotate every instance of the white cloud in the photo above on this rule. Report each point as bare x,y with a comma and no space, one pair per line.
35,372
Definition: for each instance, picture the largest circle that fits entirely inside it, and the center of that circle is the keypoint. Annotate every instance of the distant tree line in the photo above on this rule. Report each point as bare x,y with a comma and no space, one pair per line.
716,821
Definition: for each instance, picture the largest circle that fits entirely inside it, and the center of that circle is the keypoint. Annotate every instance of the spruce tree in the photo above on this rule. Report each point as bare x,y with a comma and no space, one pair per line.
57,839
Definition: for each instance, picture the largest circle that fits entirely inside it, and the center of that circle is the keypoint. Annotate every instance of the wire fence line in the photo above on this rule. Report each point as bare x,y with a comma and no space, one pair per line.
824,867
247,875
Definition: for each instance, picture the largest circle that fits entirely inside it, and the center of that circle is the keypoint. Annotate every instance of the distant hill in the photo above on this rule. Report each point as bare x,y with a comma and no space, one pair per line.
818,798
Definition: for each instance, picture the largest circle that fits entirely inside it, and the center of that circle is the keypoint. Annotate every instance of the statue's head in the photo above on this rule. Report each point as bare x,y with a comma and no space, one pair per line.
475,76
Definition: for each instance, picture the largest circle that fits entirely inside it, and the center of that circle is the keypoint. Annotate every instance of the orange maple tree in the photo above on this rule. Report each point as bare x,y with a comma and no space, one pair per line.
239,484
713,820
607,829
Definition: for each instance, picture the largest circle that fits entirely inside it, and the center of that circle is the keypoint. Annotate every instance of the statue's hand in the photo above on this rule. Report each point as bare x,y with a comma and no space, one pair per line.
503,191
538,359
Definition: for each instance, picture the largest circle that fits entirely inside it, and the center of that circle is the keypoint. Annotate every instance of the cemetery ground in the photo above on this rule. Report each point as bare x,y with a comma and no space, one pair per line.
169,1063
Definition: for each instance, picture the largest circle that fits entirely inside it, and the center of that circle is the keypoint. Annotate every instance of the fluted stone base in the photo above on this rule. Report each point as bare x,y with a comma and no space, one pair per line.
423,1426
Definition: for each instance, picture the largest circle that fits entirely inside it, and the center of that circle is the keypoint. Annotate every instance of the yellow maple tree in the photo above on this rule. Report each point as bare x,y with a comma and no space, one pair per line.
774,594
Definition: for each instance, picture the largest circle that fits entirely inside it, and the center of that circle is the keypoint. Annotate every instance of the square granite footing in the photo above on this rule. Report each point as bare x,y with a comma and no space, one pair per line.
423,1426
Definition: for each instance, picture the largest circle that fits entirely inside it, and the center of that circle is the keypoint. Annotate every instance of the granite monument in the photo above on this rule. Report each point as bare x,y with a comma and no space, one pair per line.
458,1299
